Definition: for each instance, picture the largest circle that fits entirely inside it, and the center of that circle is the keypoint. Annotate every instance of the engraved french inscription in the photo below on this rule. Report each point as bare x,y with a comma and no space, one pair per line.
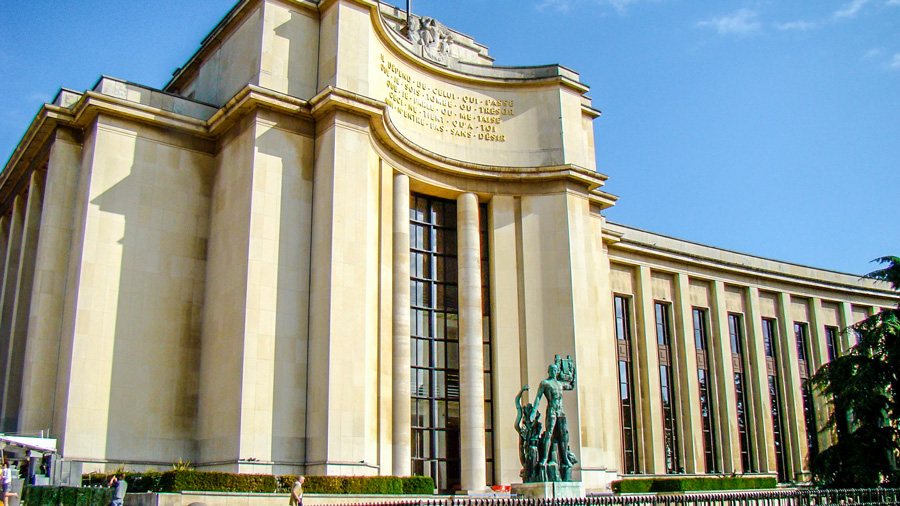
443,110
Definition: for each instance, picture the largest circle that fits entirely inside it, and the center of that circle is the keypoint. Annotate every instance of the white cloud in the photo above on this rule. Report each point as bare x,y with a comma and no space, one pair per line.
557,5
621,4
881,55
895,62
801,26
742,22
850,10
893,2
568,5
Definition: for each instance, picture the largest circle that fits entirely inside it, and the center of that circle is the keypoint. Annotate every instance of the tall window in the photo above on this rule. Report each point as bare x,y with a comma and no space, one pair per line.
434,343
831,340
736,333
707,415
801,331
667,389
770,337
626,386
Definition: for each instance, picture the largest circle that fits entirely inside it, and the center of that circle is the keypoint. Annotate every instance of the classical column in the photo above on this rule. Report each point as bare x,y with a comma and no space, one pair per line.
723,367
653,449
401,423
691,422
758,380
12,383
795,422
818,348
8,298
471,341
818,357
50,272
848,338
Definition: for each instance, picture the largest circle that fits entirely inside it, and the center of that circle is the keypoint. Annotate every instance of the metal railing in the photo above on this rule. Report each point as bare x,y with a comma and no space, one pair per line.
805,497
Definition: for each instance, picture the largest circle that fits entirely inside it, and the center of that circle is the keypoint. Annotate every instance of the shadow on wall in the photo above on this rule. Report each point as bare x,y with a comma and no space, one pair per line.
150,250
296,51
283,176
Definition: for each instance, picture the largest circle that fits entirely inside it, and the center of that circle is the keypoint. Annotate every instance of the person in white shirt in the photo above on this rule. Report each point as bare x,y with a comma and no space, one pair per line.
7,483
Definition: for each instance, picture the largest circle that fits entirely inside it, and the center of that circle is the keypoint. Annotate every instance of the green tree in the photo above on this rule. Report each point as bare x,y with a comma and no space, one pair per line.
863,388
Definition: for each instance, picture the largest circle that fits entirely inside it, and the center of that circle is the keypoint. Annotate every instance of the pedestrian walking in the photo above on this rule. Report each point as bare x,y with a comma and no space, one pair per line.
297,492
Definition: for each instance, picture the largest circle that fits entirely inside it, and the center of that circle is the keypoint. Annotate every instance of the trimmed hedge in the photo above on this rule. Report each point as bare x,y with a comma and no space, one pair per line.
66,496
418,485
360,485
691,484
207,481
179,481
137,482
348,484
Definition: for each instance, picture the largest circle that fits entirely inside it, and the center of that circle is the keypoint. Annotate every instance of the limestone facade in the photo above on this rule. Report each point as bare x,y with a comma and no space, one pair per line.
326,247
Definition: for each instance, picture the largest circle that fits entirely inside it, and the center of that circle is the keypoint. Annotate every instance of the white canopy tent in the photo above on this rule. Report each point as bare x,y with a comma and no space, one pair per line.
35,448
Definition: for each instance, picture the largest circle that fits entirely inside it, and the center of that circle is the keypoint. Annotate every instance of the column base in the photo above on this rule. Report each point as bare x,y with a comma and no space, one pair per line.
549,489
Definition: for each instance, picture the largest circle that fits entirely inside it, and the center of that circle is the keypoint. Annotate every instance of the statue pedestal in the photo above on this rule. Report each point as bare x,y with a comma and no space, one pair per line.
549,489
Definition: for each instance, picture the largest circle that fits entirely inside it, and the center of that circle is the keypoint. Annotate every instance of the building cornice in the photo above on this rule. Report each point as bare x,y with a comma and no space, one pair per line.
90,104
603,199
611,236
93,103
709,263
250,98
29,150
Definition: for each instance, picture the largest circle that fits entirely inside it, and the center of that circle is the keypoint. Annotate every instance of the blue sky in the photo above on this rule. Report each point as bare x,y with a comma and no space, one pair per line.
766,127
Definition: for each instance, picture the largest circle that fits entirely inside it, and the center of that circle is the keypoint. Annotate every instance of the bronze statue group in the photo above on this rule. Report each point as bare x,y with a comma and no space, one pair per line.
544,452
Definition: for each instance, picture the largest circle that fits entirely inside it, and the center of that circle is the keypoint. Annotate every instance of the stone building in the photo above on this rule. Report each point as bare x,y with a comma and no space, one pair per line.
340,243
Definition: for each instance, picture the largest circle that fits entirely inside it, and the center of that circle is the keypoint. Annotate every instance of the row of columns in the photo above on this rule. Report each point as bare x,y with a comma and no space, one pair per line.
471,339
650,425
18,248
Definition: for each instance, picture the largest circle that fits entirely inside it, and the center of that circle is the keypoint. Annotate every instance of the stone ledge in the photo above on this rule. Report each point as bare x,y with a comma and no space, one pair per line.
549,489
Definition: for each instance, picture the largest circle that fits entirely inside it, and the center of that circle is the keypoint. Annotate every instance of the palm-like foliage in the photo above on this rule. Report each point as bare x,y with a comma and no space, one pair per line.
863,387
891,273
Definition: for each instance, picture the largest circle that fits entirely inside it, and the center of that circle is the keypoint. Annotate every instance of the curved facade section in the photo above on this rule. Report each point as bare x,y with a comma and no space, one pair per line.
499,117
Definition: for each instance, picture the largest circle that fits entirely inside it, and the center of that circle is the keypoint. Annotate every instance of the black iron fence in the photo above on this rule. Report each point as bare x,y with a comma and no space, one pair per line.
805,497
